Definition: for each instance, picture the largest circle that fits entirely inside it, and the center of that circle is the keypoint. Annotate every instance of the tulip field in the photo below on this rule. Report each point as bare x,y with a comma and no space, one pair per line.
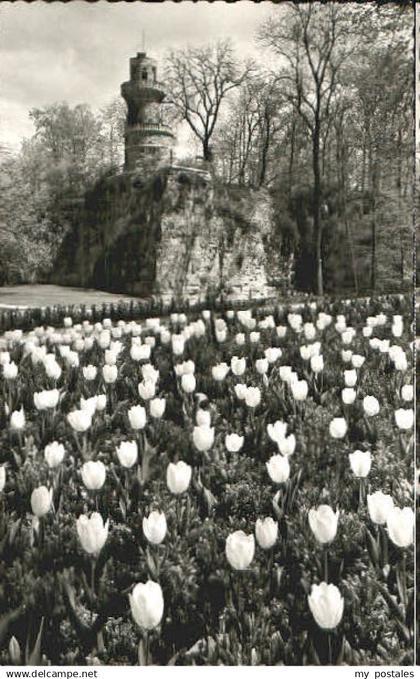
212,488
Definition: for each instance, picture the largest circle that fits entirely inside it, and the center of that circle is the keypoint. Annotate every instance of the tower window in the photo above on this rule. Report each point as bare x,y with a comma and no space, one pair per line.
144,75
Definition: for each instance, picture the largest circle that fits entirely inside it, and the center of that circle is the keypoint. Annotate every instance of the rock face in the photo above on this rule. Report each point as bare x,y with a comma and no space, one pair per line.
175,234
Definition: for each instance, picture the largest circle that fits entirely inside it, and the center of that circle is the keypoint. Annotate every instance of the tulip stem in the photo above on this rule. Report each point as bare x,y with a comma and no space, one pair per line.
326,565
330,661
361,494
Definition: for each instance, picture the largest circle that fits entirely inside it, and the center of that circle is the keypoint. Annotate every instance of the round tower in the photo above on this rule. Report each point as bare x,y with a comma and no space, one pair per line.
147,139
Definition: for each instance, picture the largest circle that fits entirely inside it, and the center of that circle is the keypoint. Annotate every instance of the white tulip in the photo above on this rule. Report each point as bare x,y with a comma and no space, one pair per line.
146,604
287,445
400,525
46,399
326,605
240,550
404,418
92,532
17,420
154,527
178,477
379,506
348,395
277,431
54,454
266,532
203,437
233,442
360,463
188,383
157,407
323,522
278,468
338,428
80,420
93,474
41,501
252,397
137,417
127,453
89,372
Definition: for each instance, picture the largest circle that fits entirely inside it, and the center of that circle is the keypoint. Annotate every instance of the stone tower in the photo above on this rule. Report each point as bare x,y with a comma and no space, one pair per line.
148,140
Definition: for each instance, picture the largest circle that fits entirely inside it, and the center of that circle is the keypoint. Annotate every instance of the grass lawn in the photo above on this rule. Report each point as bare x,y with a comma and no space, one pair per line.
34,296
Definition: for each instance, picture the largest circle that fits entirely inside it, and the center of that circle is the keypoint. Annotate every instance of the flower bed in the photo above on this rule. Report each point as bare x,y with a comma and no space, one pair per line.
213,487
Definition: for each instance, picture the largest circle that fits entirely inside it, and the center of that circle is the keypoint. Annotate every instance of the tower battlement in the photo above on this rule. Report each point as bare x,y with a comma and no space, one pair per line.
148,140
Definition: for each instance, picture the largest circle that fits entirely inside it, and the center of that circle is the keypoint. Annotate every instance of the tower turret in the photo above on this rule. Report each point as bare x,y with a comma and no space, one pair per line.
147,138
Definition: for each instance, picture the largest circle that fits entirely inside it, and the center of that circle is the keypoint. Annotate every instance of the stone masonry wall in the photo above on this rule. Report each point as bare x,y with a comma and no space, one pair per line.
175,234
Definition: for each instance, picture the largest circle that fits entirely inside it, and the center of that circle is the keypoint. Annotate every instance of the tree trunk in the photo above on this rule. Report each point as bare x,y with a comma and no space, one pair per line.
317,206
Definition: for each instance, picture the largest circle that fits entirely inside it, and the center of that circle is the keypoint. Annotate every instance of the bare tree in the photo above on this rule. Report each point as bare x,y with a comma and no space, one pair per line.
312,41
198,81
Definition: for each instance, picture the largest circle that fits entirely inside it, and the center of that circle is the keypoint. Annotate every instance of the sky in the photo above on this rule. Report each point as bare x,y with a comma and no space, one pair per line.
79,52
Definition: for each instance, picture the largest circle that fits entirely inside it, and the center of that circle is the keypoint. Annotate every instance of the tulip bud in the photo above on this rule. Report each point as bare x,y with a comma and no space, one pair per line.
178,477
338,428
220,371
326,604
238,365
233,442
203,437
54,454
360,463
400,525
92,532
127,453
261,366
277,431
252,397
17,420
41,500
240,391
46,399
110,373
272,354
157,407
154,527
350,378
379,506
348,395
93,474
266,531
146,604
10,372
323,522
287,445
404,418
80,420
357,361
89,372
137,417
371,406
299,389
240,549
147,390
317,364
407,392
188,383
278,468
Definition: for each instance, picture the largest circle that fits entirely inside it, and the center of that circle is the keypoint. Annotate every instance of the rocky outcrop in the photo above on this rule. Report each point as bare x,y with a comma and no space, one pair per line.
176,233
